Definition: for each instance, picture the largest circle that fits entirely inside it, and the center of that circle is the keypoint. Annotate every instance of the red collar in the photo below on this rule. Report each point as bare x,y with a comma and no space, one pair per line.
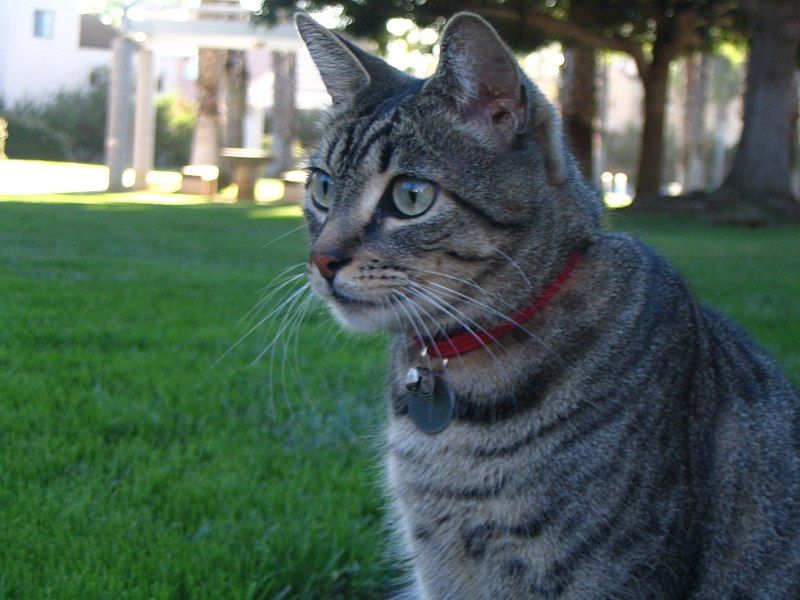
467,342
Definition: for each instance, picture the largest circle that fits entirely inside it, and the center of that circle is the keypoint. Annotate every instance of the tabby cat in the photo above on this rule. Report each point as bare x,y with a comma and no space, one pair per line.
565,420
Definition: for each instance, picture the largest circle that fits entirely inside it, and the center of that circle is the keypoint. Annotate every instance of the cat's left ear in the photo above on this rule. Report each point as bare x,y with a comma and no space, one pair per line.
478,71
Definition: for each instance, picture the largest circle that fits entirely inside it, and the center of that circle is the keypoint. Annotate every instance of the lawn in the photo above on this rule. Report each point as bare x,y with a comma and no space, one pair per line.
136,464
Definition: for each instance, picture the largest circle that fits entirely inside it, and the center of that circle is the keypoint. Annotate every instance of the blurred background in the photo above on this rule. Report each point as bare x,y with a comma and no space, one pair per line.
179,417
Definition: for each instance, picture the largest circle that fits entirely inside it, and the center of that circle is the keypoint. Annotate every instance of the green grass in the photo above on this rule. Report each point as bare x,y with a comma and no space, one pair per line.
130,467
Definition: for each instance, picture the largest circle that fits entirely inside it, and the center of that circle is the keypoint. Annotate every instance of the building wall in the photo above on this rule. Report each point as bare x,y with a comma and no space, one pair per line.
34,68
3,43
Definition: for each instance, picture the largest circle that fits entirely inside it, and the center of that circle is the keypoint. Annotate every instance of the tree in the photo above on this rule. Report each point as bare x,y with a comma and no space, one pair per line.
578,99
284,113
236,79
206,141
726,82
653,32
694,143
759,187
213,66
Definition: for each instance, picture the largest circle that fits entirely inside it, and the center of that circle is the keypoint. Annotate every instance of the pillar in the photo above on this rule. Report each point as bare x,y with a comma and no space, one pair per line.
144,130
117,145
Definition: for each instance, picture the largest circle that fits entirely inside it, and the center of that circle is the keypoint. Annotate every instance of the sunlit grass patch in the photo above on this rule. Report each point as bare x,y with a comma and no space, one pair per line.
31,177
101,199
276,212
61,182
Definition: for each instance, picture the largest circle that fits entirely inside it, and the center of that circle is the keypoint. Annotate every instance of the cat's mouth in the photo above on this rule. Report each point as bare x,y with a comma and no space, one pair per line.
344,298
359,309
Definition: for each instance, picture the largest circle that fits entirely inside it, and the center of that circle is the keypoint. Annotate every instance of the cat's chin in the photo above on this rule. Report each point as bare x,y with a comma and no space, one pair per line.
362,317
356,312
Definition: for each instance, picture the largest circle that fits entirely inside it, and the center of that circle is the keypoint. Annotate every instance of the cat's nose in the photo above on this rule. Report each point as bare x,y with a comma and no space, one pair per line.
328,264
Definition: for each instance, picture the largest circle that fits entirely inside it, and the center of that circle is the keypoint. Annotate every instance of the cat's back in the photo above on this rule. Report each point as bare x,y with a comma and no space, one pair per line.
742,416
746,466
743,420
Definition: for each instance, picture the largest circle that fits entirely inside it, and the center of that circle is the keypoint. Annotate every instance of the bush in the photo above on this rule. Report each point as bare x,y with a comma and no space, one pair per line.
76,117
175,121
34,140
71,125
308,129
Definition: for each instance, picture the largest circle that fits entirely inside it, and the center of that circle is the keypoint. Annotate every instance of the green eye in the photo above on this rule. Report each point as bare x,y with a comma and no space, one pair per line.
412,197
321,185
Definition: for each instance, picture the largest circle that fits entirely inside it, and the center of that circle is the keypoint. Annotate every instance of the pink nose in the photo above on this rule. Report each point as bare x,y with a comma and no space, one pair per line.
328,264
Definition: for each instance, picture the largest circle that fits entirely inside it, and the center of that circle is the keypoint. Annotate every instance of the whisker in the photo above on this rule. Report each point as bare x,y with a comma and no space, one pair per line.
398,319
283,236
516,265
479,304
400,296
283,272
290,305
468,282
414,308
270,295
434,321
439,304
293,340
261,322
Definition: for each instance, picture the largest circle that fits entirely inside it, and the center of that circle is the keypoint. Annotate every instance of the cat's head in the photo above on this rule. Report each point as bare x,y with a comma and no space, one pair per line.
438,203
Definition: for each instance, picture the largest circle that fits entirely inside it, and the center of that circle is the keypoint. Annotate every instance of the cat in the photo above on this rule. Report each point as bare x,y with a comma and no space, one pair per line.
565,419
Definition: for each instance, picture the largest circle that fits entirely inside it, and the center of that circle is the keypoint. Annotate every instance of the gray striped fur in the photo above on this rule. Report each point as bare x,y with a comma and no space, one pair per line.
629,442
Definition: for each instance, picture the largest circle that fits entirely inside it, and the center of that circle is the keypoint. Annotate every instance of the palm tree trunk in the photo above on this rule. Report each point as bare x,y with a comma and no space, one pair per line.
284,112
236,80
206,141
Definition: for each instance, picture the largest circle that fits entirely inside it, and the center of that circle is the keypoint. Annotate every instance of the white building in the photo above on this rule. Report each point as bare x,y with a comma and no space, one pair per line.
48,45
41,50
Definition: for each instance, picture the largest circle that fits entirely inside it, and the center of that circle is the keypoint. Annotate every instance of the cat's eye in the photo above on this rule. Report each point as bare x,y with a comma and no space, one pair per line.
321,184
412,197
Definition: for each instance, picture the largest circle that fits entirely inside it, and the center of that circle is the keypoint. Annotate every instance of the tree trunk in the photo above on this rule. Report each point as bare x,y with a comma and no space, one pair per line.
206,141
694,127
651,153
236,80
725,87
795,137
284,112
759,184
578,97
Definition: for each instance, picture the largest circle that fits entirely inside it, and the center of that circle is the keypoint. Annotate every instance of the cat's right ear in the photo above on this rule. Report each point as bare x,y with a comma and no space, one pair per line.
342,73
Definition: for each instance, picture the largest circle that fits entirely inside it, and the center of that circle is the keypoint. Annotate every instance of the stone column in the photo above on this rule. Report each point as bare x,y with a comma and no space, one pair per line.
254,127
144,133
119,113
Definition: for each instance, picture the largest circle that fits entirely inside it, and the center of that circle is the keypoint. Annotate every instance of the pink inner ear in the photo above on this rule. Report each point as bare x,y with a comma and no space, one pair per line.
495,107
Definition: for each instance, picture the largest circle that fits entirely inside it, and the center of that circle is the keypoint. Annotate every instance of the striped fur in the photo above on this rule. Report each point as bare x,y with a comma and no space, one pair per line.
627,442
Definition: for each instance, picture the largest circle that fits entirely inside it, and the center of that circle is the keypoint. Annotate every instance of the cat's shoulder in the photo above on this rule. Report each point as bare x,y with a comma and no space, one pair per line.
625,255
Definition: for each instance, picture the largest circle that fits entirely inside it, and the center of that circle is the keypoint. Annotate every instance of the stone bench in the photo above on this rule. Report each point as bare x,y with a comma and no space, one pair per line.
202,180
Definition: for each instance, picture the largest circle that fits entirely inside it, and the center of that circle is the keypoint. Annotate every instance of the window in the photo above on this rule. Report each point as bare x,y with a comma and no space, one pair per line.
43,23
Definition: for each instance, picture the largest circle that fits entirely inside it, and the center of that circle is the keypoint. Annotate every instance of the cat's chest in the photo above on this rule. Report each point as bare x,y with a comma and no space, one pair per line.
470,519
511,502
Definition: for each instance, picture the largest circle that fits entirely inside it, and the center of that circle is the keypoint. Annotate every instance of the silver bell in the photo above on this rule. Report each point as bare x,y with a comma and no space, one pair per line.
420,381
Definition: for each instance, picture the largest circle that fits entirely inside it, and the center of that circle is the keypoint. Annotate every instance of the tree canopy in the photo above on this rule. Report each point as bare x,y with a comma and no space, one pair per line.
652,32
